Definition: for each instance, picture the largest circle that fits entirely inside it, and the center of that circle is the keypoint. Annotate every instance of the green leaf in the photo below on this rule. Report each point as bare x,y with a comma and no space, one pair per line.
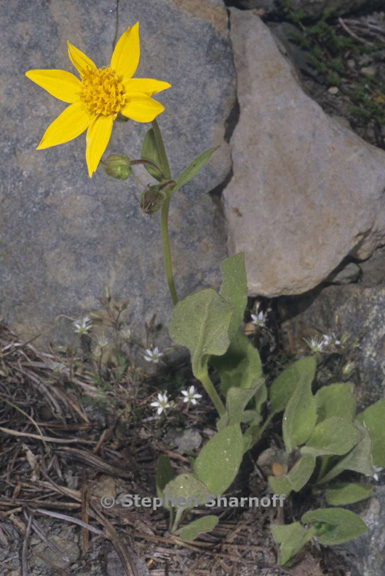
236,402
192,530
374,420
185,487
300,414
234,289
164,474
201,322
240,366
296,479
150,152
336,400
260,398
291,538
284,386
332,436
219,460
357,460
193,169
347,493
335,525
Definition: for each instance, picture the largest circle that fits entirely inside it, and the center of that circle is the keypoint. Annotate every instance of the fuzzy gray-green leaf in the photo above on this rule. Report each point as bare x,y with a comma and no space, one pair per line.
191,531
185,487
300,414
374,420
218,462
241,365
336,400
290,537
332,436
347,493
296,479
335,525
284,385
358,459
201,323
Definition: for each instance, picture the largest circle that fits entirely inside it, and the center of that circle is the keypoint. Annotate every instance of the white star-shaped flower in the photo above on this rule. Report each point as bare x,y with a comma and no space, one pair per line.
126,333
259,319
315,344
331,340
191,396
153,355
161,404
82,326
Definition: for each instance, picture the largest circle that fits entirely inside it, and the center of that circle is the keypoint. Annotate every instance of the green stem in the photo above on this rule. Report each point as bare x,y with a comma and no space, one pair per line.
265,425
178,518
165,167
166,249
214,396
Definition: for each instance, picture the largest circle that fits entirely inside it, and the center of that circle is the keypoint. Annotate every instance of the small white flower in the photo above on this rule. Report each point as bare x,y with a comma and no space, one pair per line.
82,326
97,351
102,341
191,396
259,319
348,368
126,333
315,344
377,470
161,404
153,355
331,340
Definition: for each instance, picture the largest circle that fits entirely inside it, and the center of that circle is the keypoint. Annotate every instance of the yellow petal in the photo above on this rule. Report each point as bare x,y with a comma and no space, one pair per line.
59,83
145,85
81,62
125,57
142,108
98,136
67,126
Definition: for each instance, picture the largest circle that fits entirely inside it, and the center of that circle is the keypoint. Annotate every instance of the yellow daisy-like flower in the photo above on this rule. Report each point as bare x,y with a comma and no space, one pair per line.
99,96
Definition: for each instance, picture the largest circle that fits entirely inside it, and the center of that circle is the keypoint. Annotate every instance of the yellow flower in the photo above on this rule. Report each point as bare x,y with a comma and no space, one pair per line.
99,96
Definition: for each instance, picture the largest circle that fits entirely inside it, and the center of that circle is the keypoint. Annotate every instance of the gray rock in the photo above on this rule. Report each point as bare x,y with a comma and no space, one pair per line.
347,274
184,441
373,269
306,192
64,237
361,314
312,8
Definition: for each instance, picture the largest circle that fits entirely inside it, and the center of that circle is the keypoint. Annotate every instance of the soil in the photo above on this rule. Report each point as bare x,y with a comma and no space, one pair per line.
58,457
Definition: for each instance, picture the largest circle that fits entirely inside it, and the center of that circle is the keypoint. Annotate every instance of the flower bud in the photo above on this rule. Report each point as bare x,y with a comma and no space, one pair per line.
117,166
151,199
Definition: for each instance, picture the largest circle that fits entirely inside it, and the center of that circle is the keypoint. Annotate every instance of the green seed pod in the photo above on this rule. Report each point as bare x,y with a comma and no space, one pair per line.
117,166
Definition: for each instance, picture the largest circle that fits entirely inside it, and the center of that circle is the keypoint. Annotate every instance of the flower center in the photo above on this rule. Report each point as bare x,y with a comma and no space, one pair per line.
102,91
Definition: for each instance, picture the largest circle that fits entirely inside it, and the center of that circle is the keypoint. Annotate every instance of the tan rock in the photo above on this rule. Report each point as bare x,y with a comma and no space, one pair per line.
306,191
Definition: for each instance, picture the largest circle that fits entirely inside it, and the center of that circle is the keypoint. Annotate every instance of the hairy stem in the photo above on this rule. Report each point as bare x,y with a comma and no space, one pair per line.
214,396
166,249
